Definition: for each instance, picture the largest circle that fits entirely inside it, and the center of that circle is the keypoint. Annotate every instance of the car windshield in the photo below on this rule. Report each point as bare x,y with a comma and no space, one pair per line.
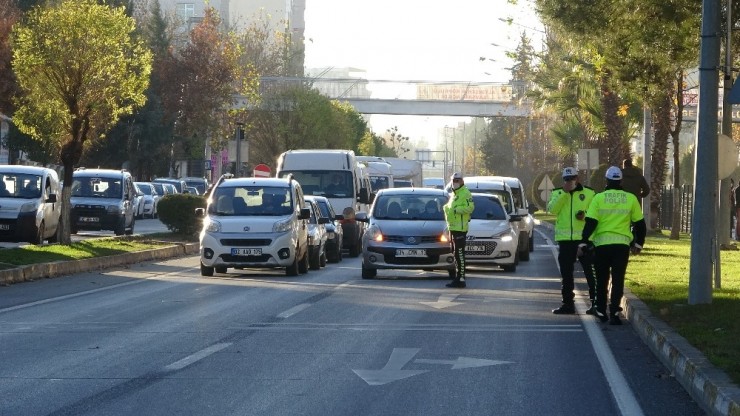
96,187
410,207
328,183
144,188
503,196
380,182
20,185
487,208
251,200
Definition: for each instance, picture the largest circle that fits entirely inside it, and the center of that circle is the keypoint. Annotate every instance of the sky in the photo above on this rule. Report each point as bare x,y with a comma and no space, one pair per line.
418,40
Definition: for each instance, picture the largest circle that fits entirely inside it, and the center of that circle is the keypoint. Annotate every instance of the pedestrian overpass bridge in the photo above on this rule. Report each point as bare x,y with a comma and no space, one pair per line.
422,98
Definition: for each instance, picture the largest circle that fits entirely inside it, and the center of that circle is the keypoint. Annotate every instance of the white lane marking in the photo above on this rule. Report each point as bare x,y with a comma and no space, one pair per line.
87,292
621,391
294,310
444,301
190,359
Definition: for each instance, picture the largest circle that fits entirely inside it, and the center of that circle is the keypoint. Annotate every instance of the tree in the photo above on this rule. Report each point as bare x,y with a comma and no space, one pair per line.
9,15
397,142
80,69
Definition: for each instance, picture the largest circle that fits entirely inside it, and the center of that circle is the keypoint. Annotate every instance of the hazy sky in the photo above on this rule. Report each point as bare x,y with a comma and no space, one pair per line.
417,40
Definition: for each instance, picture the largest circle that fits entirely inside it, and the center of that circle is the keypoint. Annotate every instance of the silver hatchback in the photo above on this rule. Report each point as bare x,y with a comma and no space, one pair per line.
406,230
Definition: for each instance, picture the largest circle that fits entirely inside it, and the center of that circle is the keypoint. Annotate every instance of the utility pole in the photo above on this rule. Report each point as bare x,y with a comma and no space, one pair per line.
724,183
703,227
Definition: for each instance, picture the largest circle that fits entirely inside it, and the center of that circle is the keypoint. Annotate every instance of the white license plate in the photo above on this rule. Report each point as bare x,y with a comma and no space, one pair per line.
411,252
246,251
474,248
4,226
89,219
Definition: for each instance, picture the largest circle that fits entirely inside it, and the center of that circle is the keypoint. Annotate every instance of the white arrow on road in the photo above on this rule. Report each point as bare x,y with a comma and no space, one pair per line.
392,369
463,362
444,301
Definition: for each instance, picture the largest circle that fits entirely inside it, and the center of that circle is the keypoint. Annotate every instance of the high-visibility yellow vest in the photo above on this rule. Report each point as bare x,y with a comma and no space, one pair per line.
565,205
615,210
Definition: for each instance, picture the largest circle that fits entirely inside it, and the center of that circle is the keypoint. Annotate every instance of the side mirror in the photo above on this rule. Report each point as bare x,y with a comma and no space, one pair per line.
362,217
515,218
324,220
52,198
532,208
364,197
200,212
339,217
305,214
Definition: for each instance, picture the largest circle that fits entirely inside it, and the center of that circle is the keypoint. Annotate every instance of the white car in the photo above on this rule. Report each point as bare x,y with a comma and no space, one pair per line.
150,199
316,236
491,237
254,223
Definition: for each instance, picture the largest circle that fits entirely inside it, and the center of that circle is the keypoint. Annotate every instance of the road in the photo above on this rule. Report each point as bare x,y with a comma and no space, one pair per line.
160,339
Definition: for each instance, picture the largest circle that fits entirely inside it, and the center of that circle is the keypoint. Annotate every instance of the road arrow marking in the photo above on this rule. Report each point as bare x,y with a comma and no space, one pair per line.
392,369
463,362
444,301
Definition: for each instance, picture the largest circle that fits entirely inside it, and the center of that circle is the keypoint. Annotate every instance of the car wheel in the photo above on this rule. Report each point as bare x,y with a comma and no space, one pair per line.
314,261
322,259
121,227
38,239
524,252
292,270
368,273
205,270
221,269
303,264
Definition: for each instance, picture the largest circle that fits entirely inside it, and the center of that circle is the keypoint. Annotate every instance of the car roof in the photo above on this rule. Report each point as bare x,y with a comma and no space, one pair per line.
413,191
271,182
484,195
487,184
35,170
103,173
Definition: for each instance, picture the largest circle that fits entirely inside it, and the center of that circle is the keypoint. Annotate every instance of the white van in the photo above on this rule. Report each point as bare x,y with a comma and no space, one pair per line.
336,175
379,170
30,204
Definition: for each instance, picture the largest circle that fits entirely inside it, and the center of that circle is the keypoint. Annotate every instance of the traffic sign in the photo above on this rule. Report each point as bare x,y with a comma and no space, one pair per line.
207,164
262,171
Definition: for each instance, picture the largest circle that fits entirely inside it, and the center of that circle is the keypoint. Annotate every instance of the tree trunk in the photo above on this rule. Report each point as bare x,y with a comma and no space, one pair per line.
662,131
617,148
677,88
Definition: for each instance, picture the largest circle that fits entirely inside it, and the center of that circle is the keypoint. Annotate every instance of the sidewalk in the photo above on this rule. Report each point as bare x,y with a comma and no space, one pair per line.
709,386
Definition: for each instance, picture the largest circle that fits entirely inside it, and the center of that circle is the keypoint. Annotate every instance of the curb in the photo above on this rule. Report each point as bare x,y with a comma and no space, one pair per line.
61,268
709,386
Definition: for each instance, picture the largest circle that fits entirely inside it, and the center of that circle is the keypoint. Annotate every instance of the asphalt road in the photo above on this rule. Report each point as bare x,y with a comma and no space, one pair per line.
160,339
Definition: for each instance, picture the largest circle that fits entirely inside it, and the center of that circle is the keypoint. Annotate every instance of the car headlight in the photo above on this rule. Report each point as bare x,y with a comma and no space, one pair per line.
29,207
213,226
282,226
504,236
443,238
114,209
374,233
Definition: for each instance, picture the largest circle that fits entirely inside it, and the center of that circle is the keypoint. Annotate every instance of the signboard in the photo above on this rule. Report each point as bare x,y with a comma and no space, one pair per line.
207,164
462,92
262,171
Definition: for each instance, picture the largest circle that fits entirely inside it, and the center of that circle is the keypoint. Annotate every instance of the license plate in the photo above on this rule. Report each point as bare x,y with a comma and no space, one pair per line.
89,219
4,226
246,251
411,252
475,248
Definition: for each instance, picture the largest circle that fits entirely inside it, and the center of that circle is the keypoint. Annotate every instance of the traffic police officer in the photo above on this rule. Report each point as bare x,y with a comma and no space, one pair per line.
569,205
457,214
610,219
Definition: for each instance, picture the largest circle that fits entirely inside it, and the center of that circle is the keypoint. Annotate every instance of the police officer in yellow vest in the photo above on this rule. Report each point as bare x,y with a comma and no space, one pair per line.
610,220
457,214
569,205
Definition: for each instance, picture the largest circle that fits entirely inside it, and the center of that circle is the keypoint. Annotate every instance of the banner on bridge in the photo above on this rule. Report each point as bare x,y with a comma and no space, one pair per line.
464,92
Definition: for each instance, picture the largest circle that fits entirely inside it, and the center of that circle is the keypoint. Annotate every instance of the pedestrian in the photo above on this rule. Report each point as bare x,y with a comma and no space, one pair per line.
633,181
457,214
569,205
610,221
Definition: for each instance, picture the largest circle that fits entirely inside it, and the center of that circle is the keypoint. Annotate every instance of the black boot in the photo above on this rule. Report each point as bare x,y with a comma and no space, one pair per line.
565,309
457,283
592,310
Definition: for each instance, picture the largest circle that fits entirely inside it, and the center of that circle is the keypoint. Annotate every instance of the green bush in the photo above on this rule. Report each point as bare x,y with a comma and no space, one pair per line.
177,212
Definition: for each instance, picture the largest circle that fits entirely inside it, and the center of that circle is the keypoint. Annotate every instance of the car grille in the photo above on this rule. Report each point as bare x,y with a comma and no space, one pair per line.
246,242
405,239
411,260
490,246
89,211
245,259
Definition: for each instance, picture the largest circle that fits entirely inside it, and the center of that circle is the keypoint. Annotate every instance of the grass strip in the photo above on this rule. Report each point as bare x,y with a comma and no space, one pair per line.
31,254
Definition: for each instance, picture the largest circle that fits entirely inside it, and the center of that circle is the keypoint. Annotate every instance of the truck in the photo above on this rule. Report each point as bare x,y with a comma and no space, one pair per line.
406,172
379,171
336,175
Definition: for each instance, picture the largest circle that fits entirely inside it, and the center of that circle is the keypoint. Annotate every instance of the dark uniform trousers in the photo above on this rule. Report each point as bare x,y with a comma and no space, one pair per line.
610,263
567,256
458,249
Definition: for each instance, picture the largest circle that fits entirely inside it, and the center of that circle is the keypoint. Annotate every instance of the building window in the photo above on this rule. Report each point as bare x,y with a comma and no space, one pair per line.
185,11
